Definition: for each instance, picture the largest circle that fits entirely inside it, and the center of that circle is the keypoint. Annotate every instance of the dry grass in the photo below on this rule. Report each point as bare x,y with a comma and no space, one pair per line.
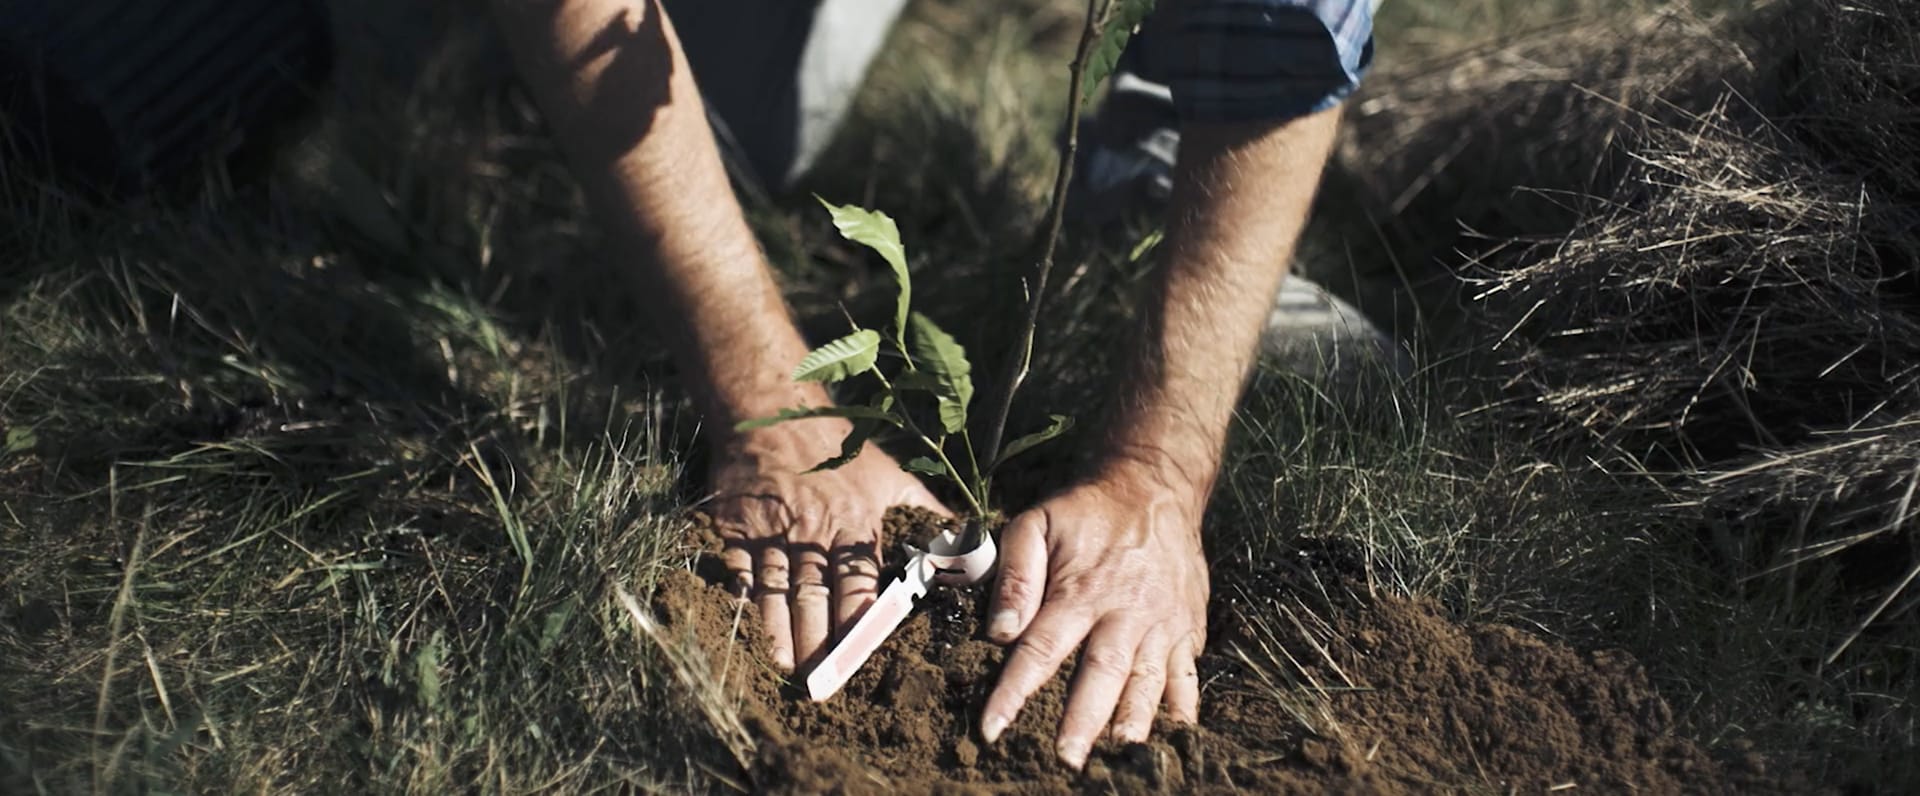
1721,319
1454,152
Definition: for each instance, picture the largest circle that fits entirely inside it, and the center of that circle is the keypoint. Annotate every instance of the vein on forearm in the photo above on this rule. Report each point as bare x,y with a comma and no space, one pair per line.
1241,196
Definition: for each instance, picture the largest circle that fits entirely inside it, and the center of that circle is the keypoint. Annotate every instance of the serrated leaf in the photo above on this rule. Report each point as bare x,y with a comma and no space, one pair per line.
876,231
945,360
1124,17
925,466
1060,425
804,412
841,358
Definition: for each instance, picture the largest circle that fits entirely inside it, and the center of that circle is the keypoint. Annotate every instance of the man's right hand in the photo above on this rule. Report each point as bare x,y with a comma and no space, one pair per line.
805,546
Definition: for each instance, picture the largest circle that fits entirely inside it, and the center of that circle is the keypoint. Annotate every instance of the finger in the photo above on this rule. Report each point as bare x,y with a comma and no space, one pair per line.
809,601
1021,584
1042,648
739,564
1105,667
1183,683
856,581
1133,719
771,586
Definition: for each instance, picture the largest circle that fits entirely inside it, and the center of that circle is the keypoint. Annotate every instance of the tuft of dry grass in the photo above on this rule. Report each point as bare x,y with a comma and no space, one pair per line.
1454,152
1722,320
1734,292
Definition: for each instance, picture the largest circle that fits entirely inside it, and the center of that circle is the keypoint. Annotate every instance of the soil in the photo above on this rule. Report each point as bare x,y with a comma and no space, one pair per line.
1351,694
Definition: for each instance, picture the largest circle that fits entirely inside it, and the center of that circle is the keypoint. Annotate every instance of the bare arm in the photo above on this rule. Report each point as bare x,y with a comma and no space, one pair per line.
618,92
619,95
1116,562
1241,200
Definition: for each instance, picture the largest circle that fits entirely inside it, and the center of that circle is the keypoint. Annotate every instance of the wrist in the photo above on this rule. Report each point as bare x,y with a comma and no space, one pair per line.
1161,471
1154,440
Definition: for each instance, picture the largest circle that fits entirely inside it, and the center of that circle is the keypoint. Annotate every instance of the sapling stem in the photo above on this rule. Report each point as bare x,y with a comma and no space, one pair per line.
1097,13
938,449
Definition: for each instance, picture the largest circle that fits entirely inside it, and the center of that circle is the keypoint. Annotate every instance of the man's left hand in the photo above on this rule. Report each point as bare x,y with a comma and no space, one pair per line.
1115,562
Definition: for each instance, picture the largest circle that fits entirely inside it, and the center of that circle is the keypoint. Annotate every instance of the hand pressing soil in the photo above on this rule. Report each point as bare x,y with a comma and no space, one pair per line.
1410,702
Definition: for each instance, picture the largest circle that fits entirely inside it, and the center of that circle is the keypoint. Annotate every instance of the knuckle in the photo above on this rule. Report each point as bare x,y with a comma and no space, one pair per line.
809,573
810,515
1044,646
811,594
850,600
857,568
1018,586
1146,668
1107,662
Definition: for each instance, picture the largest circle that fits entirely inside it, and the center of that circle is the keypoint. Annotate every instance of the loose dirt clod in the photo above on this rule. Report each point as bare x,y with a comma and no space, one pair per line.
1415,702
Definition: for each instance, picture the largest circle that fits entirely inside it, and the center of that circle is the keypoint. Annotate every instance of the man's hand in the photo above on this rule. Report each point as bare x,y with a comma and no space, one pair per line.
805,546
1116,562
617,89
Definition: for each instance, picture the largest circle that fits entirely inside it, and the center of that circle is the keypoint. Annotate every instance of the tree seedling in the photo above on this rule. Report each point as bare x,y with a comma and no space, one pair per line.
934,366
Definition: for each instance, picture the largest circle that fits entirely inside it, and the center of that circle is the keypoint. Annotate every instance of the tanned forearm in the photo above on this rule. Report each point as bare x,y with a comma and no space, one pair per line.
616,88
1241,197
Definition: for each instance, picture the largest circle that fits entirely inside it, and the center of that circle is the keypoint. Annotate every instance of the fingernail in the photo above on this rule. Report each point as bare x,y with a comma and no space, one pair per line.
1074,753
1001,627
991,727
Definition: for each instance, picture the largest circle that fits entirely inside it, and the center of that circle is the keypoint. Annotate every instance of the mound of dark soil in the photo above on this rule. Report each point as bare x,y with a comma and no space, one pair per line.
1410,701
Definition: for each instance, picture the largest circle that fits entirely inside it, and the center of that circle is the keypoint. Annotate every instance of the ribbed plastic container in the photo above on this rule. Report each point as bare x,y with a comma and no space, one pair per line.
126,93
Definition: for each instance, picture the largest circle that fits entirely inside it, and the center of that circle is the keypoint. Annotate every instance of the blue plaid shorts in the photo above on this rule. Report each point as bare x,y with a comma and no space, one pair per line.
1263,60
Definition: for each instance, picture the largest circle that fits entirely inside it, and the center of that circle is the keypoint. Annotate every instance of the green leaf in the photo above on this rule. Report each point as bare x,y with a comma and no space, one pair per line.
21,440
802,412
841,358
850,447
1123,17
1061,424
876,231
946,361
926,466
